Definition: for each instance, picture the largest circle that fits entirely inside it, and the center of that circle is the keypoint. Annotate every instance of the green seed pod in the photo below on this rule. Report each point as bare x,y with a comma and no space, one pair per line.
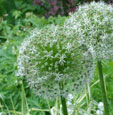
93,25
54,64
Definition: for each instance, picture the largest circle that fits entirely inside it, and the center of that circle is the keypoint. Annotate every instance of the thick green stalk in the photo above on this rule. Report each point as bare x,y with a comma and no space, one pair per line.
63,101
106,111
64,106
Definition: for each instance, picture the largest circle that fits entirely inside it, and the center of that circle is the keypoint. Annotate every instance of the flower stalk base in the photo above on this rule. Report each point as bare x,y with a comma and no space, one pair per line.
64,106
63,101
106,111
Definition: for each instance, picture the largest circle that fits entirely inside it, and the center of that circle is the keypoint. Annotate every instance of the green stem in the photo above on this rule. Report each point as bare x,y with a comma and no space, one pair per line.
63,101
106,111
64,106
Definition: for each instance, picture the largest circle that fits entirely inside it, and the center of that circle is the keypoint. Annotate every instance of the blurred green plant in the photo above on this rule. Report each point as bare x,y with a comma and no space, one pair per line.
17,19
11,36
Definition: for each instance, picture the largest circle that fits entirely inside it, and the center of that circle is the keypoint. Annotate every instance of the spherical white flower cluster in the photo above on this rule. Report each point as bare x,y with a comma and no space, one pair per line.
93,25
54,64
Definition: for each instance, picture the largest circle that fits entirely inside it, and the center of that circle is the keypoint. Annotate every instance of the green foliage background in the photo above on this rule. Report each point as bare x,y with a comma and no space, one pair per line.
11,36
23,17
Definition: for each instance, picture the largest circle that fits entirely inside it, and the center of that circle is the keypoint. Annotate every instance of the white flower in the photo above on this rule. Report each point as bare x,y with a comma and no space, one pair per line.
62,59
101,106
99,112
69,103
70,96
70,111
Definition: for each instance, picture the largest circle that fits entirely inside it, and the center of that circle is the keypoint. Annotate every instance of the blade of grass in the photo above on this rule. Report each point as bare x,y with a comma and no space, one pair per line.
87,98
35,109
48,105
1,107
5,104
23,102
83,96
15,112
13,106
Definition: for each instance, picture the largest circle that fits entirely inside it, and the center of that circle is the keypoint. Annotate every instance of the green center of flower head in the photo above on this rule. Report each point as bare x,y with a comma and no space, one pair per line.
48,57
55,54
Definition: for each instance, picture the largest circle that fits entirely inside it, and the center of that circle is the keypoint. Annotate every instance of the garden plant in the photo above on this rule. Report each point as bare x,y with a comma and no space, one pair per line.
56,57
93,25
54,64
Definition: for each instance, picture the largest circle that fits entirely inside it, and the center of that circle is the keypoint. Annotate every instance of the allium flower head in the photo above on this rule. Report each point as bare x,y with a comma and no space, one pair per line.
48,59
93,24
